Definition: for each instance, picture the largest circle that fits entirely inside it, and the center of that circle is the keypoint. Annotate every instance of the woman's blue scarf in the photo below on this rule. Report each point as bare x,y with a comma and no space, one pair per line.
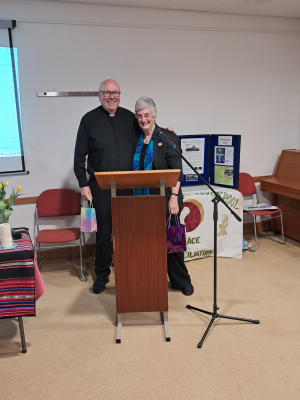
147,162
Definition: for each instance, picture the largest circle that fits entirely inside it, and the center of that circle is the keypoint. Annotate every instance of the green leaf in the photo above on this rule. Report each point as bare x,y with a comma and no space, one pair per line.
13,195
2,195
6,215
11,199
2,205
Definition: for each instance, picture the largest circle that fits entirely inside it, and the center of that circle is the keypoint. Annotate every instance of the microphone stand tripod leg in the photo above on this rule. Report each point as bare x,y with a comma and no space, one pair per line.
198,309
206,332
254,321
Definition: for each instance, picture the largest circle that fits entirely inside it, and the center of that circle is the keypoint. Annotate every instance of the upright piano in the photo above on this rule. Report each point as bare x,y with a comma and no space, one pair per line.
285,186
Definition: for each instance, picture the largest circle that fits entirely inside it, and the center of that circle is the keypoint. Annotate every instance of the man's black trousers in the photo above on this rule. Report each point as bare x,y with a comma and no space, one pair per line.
102,205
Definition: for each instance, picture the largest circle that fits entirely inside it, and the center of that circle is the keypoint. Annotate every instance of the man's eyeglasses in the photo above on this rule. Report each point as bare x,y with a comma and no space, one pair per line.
107,93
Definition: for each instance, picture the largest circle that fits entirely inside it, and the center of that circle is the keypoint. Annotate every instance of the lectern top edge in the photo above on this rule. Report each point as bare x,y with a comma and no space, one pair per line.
137,179
151,172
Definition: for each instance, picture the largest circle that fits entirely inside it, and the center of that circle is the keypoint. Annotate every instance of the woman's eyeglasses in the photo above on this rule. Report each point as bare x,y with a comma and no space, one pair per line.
140,116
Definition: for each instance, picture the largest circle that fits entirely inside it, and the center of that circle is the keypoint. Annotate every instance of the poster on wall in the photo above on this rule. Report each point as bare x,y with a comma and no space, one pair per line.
225,160
193,151
224,155
196,151
224,175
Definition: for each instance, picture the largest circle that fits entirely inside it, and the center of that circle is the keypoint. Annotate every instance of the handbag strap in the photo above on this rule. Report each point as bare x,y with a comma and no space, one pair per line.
176,220
89,204
169,221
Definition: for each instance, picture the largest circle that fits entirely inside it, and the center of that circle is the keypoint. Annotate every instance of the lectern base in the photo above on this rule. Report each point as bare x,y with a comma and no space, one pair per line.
119,328
164,320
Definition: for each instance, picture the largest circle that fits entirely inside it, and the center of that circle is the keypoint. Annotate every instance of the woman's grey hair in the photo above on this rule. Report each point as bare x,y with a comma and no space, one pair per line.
144,102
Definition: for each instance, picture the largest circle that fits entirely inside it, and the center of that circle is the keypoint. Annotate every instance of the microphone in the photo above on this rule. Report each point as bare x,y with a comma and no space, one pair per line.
165,138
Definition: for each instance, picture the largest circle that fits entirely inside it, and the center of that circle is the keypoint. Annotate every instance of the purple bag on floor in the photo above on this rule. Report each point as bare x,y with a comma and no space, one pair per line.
175,237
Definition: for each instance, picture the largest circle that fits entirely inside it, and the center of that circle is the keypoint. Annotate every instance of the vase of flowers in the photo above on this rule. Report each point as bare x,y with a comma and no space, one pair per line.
5,212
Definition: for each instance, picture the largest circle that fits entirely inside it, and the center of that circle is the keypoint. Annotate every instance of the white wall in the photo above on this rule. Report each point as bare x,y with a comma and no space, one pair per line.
208,73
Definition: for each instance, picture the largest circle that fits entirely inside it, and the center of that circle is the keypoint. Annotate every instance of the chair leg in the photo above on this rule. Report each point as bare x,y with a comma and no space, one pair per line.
255,234
80,249
282,234
22,334
282,241
40,260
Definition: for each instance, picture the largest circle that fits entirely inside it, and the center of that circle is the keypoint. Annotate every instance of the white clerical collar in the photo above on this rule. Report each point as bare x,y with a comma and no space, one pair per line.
112,115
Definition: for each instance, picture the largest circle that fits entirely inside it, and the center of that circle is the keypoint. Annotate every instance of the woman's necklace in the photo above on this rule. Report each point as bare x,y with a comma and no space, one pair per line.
147,139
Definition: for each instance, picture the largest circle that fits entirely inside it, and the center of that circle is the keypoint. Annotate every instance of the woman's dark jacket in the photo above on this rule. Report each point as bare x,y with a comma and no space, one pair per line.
164,157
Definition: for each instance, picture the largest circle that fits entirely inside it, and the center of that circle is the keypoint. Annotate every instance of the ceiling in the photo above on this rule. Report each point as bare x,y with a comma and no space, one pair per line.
274,8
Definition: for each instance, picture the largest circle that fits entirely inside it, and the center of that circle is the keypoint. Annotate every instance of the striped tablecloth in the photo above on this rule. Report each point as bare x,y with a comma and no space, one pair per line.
17,279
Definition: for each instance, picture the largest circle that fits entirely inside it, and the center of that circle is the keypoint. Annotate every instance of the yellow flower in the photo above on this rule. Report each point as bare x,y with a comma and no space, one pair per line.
19,188
6,183
0,186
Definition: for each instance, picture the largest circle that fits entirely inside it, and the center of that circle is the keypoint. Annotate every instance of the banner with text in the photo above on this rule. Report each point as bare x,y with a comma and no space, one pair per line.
197,215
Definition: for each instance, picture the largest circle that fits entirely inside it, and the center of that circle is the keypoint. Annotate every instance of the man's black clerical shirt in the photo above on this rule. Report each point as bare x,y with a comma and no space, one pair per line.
108,141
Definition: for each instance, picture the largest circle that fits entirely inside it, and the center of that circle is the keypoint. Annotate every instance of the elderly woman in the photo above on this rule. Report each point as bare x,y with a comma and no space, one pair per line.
152,154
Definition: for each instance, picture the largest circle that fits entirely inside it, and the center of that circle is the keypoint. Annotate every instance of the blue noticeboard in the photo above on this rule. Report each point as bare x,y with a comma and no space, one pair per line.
225,160
196,150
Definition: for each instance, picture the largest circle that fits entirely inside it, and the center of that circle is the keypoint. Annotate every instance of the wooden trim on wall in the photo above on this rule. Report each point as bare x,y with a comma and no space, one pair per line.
24,200
260,178
32,200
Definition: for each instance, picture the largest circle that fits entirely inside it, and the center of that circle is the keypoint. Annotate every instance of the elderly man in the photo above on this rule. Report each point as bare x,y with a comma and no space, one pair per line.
107,135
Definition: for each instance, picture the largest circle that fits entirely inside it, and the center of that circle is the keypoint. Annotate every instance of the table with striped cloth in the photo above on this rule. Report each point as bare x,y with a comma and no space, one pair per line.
17,279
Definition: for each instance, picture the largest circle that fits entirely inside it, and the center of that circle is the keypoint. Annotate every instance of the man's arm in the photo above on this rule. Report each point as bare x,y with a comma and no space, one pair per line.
86,193
81,151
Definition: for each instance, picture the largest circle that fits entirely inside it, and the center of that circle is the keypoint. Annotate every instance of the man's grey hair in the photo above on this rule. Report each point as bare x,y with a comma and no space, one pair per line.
144,102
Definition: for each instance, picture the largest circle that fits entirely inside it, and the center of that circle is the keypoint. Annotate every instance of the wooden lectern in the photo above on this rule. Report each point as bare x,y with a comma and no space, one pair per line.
139,240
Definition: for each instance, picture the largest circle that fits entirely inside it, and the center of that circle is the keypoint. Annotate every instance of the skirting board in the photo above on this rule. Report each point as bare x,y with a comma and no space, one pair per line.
69,253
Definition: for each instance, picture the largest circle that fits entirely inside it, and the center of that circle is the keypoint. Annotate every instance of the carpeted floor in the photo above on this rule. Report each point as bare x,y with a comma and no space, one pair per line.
71,343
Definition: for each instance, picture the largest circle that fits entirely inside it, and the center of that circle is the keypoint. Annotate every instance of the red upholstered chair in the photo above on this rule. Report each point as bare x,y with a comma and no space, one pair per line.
59,203
247,187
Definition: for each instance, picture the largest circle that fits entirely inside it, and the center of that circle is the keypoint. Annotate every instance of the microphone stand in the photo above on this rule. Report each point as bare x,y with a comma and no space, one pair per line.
216,200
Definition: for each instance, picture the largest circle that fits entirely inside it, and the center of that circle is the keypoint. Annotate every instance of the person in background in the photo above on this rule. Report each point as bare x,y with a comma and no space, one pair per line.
152,154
